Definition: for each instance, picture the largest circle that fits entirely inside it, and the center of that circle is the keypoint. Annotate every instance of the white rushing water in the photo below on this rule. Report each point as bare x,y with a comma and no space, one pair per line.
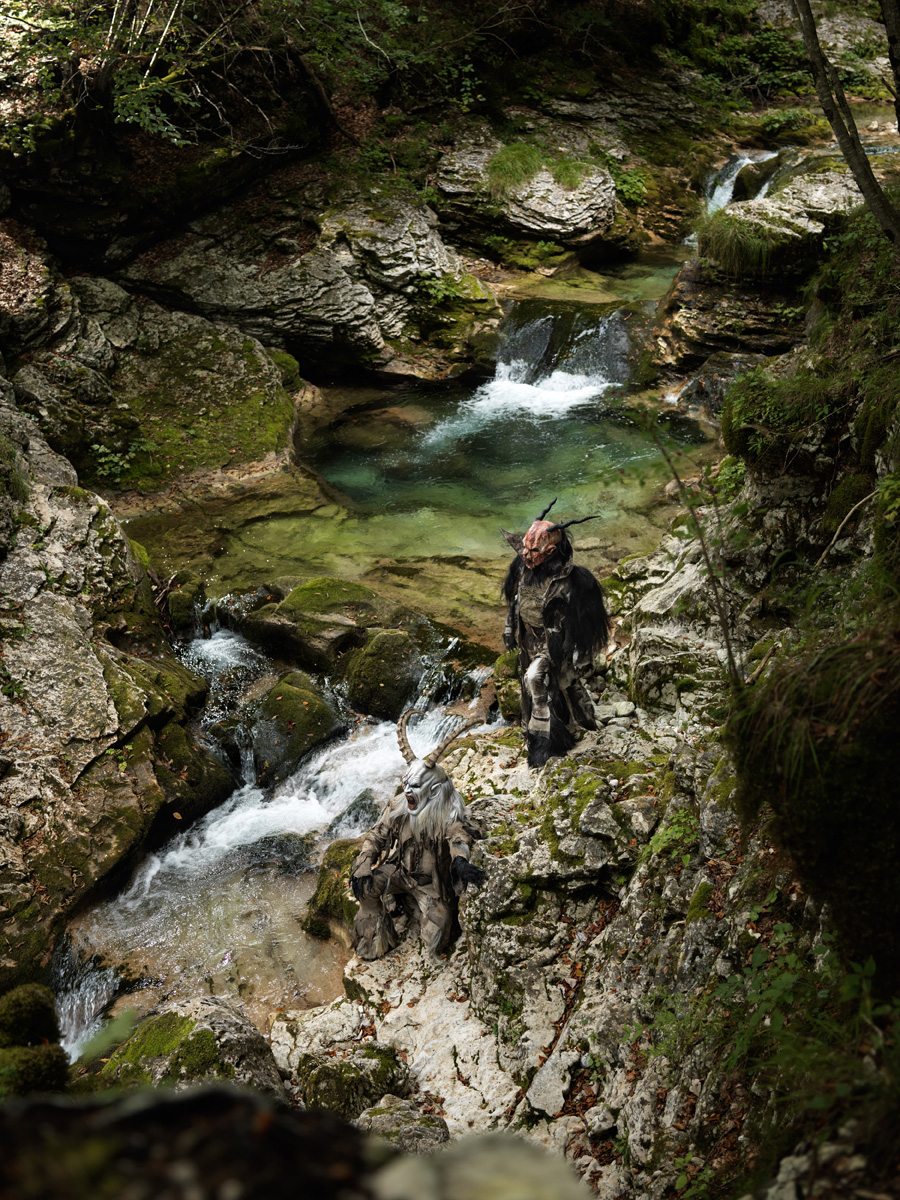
721,187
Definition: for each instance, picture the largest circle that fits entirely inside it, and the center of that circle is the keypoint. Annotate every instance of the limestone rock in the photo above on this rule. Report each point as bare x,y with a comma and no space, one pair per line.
539,208
38,303
350,1081
134,393
383,676
368,279
792,221
399,1122
91,709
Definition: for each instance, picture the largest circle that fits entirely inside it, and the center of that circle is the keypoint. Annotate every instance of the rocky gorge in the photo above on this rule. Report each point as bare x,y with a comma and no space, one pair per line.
669,978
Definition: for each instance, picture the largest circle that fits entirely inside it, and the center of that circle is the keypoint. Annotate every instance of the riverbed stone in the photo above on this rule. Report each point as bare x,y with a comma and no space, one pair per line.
383,676
294,717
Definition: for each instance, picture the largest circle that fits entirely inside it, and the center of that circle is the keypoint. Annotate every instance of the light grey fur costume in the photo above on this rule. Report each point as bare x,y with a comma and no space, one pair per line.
419,849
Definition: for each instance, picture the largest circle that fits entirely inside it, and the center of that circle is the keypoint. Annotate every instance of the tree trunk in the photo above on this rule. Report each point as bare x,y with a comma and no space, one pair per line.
840,118
890,12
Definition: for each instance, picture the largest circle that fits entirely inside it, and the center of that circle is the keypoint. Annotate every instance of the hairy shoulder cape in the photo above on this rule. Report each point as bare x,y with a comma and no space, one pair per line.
575,618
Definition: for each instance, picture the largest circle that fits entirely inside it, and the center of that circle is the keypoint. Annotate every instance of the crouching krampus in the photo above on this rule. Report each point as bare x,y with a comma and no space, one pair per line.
419,851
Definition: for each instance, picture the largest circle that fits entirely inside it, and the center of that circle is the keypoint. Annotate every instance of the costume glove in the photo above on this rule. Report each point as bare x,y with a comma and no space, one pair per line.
361,880
466,872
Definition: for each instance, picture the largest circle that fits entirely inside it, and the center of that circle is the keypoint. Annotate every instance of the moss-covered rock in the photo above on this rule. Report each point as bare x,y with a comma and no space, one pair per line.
292,721
332,909
28,1016
26,1069
383,676
347,1086
194,1041
399,1122
31,1060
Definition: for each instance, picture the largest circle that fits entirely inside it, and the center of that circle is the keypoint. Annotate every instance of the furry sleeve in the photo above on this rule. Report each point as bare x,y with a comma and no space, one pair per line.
583,624
510,594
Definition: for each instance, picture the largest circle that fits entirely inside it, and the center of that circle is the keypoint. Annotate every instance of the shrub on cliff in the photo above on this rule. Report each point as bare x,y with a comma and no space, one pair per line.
815,741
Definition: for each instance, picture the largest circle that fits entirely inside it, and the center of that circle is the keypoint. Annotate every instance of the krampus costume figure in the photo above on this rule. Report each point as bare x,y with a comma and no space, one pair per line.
420,849
556,620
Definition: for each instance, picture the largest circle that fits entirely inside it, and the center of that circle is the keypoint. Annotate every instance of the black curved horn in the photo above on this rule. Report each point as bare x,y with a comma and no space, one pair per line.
574,521
547,509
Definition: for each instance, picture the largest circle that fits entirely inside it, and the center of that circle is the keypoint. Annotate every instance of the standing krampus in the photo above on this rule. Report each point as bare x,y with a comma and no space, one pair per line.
556,620
419,849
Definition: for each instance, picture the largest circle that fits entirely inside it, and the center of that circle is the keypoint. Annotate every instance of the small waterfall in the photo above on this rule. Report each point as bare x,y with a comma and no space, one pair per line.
83,988
720,188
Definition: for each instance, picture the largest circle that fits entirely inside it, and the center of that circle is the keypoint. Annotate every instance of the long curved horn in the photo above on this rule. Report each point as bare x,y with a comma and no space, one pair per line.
547,509
405,749
574,521
432,759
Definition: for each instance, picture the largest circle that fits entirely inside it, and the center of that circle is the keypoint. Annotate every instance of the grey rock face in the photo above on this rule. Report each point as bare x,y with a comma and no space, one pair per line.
399,1122
540,208
363,282
72,804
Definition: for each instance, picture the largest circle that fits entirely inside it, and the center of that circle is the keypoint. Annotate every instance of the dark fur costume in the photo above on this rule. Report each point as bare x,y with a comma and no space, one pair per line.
574,624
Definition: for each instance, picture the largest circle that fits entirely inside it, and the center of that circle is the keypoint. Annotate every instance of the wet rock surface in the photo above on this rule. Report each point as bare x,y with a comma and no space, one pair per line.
95,755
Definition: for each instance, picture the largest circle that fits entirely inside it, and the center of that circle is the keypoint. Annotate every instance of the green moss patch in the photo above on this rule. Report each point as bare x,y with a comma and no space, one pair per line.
384,675
203,399
331,900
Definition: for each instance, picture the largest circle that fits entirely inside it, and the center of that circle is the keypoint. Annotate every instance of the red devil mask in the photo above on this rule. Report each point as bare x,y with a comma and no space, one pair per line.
540,541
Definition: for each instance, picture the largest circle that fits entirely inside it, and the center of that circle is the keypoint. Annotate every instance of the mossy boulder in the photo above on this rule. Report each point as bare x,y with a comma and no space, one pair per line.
294,718
191,1042
31,1060
332,909
187,773
318,623
28,1016
383,676
349,1085
398,1121
26,1069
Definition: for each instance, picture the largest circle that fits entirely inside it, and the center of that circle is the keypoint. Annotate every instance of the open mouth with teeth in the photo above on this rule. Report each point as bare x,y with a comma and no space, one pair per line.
411,802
